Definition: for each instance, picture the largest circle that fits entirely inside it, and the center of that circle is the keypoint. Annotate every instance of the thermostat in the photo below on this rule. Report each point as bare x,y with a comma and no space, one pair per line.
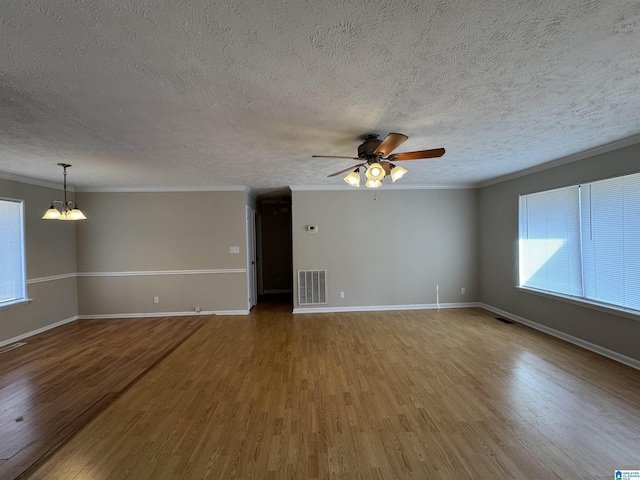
312,228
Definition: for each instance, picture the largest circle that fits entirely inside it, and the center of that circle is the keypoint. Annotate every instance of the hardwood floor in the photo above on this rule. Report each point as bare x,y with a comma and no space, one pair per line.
379,395
61,379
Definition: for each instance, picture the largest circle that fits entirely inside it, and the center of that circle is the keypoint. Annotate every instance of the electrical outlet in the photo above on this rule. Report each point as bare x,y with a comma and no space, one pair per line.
197,309
234,249
341,294
156,299
462,290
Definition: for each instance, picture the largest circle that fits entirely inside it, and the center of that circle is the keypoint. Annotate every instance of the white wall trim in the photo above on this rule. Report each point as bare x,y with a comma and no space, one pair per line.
386,187
136,273
103,316
39,330
33,181
212,188
376,308
230,312
574,157
161,272
51,278
605,352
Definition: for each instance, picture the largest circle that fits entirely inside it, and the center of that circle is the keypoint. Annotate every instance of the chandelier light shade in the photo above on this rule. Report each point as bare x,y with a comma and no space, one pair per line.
64,210
397,172
52,214
372,183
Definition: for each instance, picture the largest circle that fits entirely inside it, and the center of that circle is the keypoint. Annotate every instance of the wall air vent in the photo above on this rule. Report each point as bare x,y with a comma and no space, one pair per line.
312,287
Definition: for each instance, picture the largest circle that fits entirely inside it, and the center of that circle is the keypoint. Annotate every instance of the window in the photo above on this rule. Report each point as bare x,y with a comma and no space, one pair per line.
12,263
584,242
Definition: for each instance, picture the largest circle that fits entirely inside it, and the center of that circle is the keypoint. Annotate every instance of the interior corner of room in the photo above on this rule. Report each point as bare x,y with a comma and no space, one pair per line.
319,239
139,254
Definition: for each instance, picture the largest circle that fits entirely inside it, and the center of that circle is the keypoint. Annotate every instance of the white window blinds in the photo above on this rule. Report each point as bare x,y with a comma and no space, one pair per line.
584,241
611,241
550,241
12,272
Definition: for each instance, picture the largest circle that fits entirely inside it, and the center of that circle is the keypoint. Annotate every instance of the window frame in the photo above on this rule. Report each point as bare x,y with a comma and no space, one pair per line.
576,300
23,300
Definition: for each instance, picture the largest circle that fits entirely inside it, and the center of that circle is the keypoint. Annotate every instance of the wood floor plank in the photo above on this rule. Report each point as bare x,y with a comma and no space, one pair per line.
58,382
376,395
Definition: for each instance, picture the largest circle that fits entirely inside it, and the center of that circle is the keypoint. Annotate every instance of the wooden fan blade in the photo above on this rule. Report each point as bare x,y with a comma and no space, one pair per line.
345,170
390,143
387,167
434,153
334,156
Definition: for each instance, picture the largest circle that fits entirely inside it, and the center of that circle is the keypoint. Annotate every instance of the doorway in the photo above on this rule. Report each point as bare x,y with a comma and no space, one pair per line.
275,254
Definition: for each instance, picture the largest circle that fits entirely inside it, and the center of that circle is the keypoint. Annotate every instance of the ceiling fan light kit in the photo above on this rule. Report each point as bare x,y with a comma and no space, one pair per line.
397,172
375,172
353,178
68,208
378,160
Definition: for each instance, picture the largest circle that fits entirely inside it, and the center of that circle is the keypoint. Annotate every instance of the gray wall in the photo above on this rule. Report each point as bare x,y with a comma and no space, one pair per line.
50,251
150,232
389,251
392,251
498,254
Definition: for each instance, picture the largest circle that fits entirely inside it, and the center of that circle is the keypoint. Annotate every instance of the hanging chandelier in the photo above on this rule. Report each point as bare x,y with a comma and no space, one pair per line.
68,209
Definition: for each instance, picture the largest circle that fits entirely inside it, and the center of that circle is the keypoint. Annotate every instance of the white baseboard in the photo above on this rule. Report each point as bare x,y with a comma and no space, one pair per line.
605,352
121,315
162,314
377,308
39,330
230,312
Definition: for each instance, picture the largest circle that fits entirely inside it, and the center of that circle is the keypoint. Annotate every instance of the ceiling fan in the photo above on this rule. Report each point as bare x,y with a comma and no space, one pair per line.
379,161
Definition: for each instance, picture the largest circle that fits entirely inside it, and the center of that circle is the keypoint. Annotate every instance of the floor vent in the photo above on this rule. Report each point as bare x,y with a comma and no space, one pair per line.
312,287
503,320
10,347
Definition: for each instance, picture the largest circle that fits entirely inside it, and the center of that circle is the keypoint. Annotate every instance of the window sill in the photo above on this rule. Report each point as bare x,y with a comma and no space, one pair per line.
16,303
602,307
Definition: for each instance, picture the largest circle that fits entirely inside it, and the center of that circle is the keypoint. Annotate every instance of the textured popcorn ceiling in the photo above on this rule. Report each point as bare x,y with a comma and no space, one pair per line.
195,93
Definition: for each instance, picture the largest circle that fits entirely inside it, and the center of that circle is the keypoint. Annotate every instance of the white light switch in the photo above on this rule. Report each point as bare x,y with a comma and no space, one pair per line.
234,249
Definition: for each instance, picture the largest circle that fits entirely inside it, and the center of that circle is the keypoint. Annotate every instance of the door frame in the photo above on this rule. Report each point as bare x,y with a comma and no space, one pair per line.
252,294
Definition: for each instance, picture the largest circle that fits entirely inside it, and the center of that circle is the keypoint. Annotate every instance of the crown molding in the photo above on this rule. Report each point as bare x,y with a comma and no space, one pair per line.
33,181
454,186
574,157
216,188
58,186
